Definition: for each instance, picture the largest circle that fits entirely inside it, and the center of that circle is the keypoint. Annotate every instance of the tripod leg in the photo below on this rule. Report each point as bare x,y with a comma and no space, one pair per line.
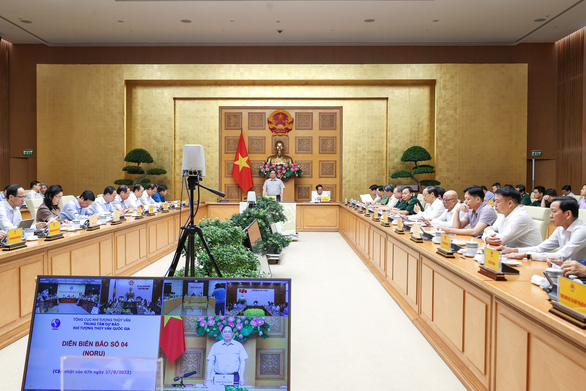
205,244
190,260
180,247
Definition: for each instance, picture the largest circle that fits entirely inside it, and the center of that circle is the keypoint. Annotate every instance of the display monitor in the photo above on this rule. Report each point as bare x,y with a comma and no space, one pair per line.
252,234
116,333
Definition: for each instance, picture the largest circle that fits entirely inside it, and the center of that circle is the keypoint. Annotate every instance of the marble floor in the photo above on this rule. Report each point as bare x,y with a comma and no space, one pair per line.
347,332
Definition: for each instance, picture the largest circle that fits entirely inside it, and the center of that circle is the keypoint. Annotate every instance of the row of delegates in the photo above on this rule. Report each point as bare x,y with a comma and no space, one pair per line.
37,190
78,207
103,204
159,196
569,237
391,196
436,208
407,205
477,213
49,211
513,227
10,216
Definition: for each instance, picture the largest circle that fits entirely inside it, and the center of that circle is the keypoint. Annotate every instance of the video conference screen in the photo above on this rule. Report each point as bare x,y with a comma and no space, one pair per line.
122,333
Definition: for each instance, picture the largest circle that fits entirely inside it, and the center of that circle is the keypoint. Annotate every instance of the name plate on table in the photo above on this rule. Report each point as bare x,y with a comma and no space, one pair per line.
369,208
14,240
572,302
493,267
361,211
138,213
416,235
385,220
445,248
325,199
225,380
400,229
375,216
93,223
116,218
54,231
165,207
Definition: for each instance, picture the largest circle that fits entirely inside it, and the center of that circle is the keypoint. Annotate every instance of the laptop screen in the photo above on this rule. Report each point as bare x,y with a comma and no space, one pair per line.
25,223
106,329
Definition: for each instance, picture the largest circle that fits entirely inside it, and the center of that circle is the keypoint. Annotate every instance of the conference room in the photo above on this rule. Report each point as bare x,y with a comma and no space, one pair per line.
343,96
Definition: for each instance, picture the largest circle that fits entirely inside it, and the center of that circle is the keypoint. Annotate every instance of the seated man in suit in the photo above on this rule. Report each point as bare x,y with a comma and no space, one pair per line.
35,191
525,197
538,192
133,200
478,214
159,196
104,204
436,206
410,201
10,216
569,237
78,207
513,227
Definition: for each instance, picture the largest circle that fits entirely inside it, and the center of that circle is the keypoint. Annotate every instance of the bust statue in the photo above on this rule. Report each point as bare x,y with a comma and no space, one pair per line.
279,158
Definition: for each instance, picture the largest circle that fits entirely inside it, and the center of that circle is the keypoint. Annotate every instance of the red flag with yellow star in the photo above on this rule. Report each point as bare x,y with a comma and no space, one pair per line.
241,171
172,339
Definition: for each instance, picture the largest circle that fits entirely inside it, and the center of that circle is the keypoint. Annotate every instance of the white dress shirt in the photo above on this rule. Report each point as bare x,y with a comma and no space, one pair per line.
73,211
100,206
2,196
226,358
146,199
571,243
10,217
446,219
132,201
119,203
516,230
33,194
433,211
393,201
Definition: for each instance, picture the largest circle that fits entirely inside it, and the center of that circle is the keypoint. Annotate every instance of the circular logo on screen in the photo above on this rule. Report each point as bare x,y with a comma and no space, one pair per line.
55,323
131,282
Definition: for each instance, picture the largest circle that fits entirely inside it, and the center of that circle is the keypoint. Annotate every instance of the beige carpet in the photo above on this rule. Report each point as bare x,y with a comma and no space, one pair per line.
347,332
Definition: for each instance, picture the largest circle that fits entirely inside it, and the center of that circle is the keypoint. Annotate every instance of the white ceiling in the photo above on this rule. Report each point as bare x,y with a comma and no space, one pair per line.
396,22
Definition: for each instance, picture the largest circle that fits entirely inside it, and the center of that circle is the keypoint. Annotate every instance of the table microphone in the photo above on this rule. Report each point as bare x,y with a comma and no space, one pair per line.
185,375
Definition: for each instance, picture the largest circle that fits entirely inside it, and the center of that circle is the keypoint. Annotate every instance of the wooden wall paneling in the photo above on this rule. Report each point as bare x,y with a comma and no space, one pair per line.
231,144
328,145
162,236
426,290
303,120
389,267
476,325
142,249
413,278
60,262
332,190
322,219
400,268
233,121
120,240
304,145
256,145
567,373
327,121
228,168
85,260
254,167
257,121
152,238
307,168
327,169
29,269
511,347
10,308
132,246
303,193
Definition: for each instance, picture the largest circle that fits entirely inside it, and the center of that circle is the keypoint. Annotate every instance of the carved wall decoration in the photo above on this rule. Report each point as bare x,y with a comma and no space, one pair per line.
303,193
331,189
231,144
256,121
327,121
270,364
257,189
228,170
233,121
280,122
307,168
256,144
327,145
327,168
232,192
304,121
284,139
191,360
278,324
254,166
304,145
189,325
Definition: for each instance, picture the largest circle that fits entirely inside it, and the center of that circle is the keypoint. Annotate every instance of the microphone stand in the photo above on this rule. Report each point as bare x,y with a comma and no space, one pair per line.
181,378
189,232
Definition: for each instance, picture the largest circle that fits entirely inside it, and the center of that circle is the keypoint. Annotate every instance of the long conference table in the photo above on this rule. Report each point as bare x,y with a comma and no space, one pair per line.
494,335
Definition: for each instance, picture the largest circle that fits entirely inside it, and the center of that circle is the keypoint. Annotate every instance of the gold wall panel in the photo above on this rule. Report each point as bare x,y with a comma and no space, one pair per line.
472,118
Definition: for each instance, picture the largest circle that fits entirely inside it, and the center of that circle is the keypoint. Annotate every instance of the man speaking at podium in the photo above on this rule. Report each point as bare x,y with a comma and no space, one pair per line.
227,357
273,187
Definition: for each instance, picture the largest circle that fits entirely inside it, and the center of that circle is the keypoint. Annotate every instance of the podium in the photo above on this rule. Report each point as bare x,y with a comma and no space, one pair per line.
289,191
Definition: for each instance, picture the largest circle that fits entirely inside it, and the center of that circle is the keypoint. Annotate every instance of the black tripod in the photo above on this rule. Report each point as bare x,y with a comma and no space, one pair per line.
189,232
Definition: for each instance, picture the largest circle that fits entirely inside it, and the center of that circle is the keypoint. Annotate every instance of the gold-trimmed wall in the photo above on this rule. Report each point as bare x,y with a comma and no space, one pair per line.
471,117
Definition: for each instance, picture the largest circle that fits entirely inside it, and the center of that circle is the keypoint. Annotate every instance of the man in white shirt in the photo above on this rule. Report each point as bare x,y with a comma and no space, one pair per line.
319,193
436,206
513,227
104,204
569,236
78,207
393,196
10,216
147,196
227,357
379,195
133,200
35,191
450,201
119,203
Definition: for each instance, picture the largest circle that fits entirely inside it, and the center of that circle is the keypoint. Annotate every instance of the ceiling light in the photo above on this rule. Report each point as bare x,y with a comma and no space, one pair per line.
25,21
435,20
120,21
185,21
540,20
368,20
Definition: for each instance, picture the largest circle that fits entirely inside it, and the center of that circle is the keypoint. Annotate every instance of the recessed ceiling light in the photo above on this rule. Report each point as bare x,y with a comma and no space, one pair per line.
232,21
540,20
25,21
185,21
435,20
120,21
368,20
